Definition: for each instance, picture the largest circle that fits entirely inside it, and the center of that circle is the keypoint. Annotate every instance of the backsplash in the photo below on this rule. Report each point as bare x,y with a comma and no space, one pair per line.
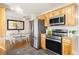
69,28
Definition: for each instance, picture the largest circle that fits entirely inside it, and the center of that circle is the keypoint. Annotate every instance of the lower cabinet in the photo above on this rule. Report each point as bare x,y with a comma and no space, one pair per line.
2,47
66,46
43,41
2,51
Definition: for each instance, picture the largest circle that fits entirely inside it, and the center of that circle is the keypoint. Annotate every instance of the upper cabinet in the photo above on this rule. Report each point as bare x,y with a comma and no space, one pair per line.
69,11
2,30
61,11
56,13
2,21
46,20
44,17
41,17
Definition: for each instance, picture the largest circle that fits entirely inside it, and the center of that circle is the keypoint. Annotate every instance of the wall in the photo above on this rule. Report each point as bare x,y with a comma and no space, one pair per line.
15,16
35,32
77,41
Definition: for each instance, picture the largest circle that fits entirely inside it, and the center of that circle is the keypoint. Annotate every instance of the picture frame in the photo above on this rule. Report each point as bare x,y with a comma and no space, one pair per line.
15,24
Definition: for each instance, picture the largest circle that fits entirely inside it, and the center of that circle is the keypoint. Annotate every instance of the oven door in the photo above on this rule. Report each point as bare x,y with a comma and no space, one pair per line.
54,46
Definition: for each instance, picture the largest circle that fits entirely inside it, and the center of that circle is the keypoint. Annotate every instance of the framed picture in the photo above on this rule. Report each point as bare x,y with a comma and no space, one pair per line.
15,25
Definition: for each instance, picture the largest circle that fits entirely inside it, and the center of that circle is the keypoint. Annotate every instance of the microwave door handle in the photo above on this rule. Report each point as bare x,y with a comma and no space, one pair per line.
59,19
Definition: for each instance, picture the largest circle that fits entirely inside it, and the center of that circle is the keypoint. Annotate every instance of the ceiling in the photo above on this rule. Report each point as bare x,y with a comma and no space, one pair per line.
35,8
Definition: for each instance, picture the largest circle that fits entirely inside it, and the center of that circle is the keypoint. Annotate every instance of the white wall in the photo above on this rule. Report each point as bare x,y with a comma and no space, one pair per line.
36,32
77,43
14,16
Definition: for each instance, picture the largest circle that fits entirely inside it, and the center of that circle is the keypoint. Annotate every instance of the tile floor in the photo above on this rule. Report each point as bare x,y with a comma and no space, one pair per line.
27,51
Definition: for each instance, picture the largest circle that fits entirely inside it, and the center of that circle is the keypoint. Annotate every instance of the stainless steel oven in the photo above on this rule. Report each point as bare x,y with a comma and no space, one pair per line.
54,43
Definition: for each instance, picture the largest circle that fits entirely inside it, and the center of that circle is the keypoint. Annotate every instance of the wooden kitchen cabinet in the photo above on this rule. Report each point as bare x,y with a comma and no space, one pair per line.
2,30
41,17
43,41
2,51
69,11
61,11
70,15
50,14
56,12
46,20
2,21
66,46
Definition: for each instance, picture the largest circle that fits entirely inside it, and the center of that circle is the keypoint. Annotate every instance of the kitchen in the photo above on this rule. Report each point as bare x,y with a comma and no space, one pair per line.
61,23
55,32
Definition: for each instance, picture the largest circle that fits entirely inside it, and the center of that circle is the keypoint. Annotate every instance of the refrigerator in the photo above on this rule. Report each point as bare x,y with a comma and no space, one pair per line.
37,28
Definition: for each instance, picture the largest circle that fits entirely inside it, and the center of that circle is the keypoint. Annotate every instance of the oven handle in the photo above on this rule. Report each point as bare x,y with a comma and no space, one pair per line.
60,41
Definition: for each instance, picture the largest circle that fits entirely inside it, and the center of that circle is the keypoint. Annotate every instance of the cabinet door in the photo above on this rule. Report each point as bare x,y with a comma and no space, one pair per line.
46,20
56,13
2,21
2,28
43,41
70,13
73,15
66,46
61,11
50,14
66,15
41,17
2,51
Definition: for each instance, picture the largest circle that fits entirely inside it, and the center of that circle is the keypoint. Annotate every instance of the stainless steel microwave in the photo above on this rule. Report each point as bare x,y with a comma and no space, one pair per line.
57,20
